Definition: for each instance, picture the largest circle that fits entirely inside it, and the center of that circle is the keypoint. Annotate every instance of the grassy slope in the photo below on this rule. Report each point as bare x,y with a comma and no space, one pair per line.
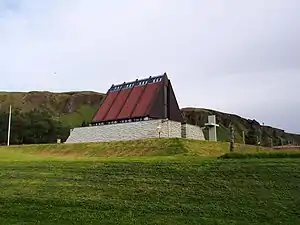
83,113
73,107
150,147
41,185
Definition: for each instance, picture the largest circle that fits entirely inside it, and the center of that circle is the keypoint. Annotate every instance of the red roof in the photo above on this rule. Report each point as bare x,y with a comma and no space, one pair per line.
102,111
118,104
137,99
131,102
146,99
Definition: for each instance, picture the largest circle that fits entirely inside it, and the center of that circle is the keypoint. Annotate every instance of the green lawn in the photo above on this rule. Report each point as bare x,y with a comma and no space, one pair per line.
174,189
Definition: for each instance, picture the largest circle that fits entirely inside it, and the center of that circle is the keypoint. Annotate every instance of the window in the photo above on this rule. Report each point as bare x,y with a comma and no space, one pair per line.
157,80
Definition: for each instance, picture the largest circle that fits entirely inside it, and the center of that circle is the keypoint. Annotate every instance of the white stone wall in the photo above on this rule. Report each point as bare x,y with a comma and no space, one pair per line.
125,131
192,132
175,129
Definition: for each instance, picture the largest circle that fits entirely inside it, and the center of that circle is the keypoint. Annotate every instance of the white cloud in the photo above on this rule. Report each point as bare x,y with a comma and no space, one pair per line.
236,56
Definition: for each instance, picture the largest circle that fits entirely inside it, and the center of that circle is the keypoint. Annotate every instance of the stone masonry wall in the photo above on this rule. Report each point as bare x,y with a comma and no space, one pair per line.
125,131
192,132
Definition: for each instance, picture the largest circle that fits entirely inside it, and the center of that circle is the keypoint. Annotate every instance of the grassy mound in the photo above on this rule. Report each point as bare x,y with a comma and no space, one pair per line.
149,147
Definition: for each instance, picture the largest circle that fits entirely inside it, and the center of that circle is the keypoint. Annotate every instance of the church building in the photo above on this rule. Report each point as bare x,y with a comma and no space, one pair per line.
140,109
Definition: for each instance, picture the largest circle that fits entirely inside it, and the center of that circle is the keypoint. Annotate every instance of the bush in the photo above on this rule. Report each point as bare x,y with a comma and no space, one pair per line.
261,155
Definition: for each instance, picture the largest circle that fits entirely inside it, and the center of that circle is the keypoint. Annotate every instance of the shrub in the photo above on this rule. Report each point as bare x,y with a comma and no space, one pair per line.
261,155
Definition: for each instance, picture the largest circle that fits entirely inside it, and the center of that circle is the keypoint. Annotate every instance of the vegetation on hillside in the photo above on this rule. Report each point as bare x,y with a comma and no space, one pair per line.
255,133
74,109
32,127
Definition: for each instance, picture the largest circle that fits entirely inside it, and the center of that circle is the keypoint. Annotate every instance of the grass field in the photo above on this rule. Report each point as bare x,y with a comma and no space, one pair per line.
182,182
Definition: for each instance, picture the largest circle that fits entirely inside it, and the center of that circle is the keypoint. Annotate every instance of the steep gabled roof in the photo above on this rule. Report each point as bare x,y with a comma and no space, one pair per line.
152,97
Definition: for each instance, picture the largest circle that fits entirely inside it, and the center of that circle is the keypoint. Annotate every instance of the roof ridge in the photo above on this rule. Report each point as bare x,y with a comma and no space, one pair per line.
138,80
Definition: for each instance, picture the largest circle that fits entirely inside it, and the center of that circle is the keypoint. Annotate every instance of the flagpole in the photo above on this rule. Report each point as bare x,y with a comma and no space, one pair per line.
9,126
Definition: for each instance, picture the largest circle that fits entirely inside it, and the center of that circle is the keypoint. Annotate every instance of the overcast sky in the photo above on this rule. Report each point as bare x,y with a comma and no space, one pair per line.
241,57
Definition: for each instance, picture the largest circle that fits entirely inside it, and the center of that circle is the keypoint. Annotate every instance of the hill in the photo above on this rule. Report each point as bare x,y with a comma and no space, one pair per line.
76,108
251,127
72,107
176,181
